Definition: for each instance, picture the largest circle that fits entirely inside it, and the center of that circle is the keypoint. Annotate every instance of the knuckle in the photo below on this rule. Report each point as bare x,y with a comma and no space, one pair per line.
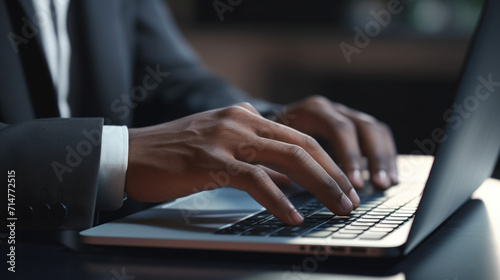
221,127
341,107
258,175
245,105
316,100
344,125
338,196
344,181
329,181
367,120
311,143
295,152
282,199
232,112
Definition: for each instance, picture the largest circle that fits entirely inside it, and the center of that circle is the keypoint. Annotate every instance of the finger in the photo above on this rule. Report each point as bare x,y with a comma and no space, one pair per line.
341,131
375,144
279,179
378,144
285,134
280,133
391,147
374,147
255,181
294,161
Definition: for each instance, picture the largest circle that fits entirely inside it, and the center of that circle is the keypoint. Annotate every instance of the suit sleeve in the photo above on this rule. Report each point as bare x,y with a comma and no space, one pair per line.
55,164
181,84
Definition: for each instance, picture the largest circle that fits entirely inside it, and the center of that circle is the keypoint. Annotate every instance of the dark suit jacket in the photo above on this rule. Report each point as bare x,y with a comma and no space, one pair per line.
129,66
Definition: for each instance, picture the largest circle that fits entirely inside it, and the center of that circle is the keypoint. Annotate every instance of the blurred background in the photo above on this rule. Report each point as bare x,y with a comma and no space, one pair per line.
283,51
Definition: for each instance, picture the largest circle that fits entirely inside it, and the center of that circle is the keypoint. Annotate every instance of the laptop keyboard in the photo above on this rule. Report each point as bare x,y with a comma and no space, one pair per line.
374,219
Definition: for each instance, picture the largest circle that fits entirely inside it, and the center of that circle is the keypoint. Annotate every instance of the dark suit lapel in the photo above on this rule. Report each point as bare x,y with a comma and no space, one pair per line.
29,13
26,41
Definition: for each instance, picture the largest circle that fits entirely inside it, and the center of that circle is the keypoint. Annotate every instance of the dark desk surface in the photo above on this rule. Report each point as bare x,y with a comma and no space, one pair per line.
467,246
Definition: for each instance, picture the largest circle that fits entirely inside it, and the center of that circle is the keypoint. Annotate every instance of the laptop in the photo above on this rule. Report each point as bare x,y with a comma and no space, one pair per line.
389,223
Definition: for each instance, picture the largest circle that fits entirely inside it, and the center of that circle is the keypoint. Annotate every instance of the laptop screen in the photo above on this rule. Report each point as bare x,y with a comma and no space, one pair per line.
470,143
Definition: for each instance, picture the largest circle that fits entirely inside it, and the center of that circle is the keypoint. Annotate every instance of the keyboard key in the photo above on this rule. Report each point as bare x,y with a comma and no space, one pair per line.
396,214
344,236
375,217
333,228
357,227
380,229
315,220
273,222
373,236
386,208
409,208
405,212
380,212
394,218
393,226
318,234
246,223
358,223
342,218
306,211
339,221
260,217
368,204
385,222
363,208
260,230
291,231
325,213
366,220
351,231
356,215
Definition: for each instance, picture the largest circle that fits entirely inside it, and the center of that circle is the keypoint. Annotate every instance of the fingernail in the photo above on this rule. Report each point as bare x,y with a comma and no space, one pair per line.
353,196
356,178
296,217
345,204
382,179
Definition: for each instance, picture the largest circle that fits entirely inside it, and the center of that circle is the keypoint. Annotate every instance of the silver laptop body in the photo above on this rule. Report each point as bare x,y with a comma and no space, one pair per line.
468,149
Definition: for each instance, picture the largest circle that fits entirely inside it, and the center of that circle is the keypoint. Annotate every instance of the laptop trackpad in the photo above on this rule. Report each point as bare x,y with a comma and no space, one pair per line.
202,212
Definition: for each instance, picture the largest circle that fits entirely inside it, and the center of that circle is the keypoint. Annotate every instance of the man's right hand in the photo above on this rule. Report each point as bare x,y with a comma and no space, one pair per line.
180,157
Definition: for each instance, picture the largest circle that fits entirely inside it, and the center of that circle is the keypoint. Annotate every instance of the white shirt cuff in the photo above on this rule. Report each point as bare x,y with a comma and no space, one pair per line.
113,167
